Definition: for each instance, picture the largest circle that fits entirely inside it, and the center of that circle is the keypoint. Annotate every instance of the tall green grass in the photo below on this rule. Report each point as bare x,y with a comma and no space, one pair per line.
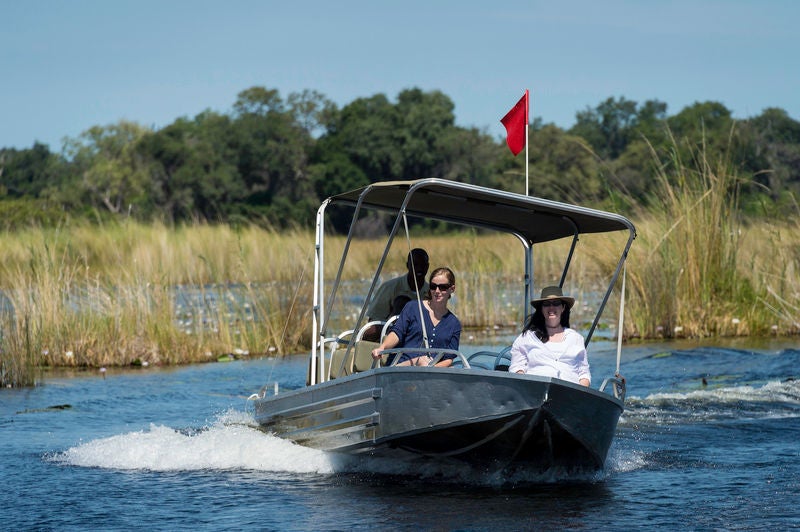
698,269
93,296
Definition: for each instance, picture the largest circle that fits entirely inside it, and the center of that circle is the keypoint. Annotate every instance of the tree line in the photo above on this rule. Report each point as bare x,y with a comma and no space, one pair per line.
271,159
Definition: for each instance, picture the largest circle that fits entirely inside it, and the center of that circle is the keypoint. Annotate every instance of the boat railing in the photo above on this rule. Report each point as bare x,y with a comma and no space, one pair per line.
336,362
618,386
388,324
346,359
436,354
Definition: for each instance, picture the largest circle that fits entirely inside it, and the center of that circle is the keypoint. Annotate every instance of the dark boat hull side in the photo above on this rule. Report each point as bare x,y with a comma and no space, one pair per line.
484,418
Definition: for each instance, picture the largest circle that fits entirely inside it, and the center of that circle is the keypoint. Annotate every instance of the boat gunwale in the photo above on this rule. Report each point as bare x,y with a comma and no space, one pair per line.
493,375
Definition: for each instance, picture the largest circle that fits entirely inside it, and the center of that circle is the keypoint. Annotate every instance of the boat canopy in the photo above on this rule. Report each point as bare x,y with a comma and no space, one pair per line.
533,219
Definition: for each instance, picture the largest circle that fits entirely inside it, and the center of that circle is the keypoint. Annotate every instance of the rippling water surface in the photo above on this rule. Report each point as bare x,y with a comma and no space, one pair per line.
710,439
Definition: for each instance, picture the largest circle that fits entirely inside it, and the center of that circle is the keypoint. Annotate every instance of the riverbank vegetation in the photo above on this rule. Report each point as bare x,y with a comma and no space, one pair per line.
132,294
193,242
703,269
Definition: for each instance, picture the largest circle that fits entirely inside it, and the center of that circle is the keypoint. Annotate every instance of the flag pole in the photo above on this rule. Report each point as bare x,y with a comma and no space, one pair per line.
527,105
513,121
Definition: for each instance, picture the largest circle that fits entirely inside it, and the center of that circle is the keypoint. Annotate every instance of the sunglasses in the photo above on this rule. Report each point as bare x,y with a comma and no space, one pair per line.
551,303
441,287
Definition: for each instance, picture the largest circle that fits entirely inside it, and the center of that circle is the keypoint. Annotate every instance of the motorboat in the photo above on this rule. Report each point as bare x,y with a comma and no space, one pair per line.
474,412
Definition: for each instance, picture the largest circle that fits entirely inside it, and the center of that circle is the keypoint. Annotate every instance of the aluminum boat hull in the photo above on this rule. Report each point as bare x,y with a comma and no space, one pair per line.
489,419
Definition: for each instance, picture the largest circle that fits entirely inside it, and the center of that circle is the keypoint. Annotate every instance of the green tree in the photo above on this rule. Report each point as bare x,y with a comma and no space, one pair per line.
113,175
271,158
27,178
365,132
651,118
193,167
471,156
701,128
27,173
409,140
311,110
273,144
608,128
336,174
770,144
633,170
702,121
258,101
562,167
424,120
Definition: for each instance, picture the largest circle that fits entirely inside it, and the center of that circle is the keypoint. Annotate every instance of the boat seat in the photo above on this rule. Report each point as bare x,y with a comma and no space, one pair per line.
483,359
363,359
491,360
359,357
503,360
338,350
336,368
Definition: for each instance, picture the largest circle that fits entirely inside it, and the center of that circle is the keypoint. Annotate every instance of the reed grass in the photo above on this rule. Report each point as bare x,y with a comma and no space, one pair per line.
700,270
94,296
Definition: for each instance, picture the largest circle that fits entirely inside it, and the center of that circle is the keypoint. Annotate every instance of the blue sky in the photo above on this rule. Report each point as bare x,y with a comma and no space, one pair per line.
66,65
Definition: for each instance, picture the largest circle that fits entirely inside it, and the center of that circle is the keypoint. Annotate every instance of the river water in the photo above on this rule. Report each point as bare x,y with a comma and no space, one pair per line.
172,449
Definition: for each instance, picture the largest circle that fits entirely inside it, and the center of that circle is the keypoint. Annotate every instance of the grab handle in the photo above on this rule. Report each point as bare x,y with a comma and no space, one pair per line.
618,388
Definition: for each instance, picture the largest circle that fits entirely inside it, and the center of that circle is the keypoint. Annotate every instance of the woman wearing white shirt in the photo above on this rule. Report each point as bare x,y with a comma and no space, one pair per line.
547,345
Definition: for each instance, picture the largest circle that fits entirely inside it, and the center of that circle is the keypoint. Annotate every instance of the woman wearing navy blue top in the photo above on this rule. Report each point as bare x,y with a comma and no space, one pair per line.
442,326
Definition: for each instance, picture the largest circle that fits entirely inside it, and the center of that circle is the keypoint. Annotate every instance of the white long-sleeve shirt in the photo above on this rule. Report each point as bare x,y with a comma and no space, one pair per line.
566,360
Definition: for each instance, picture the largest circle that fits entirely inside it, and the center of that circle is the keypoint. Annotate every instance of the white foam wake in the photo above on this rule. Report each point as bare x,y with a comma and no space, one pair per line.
230,442
772,391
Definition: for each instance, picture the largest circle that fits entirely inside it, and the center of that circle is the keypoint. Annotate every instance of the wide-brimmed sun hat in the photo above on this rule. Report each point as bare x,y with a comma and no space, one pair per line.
554,292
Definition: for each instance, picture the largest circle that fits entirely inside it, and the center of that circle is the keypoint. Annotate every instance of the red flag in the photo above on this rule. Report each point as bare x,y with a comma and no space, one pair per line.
516,123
